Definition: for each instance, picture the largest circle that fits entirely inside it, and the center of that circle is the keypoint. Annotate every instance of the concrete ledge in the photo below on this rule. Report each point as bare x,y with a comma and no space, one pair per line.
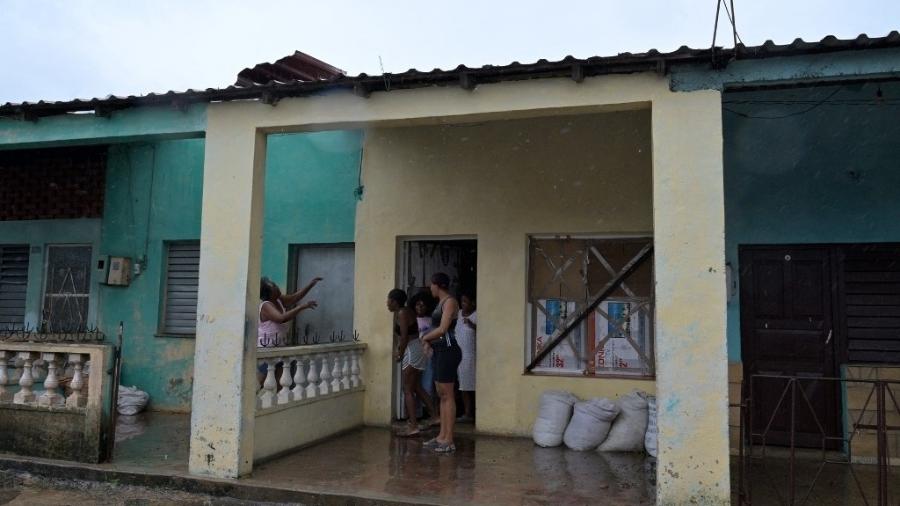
238,489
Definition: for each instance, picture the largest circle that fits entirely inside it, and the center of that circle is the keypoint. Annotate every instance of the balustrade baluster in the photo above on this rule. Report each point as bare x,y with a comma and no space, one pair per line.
76,399
25,395
312,379
325,377
345,370
355,376
284,395
336,373
297,393
5,395
51,396
267,396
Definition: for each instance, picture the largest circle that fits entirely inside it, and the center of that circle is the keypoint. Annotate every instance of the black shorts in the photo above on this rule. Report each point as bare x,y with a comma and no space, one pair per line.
446,360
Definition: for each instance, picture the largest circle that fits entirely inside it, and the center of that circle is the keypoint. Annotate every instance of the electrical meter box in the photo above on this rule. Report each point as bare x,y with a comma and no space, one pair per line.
115,271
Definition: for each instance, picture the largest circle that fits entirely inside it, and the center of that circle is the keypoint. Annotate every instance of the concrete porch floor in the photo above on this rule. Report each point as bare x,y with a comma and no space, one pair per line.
370,463
370,466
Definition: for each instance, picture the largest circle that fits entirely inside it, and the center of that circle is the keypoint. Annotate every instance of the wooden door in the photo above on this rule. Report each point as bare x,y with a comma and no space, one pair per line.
787,315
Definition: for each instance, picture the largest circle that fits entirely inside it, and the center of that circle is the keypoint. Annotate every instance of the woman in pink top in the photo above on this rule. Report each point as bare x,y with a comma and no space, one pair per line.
274,317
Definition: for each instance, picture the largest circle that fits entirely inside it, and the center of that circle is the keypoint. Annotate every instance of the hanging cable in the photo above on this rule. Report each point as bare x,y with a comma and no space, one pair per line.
731,19
795,113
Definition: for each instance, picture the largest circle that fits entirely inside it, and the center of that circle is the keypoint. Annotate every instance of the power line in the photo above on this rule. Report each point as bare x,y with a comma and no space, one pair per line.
737,36
788,115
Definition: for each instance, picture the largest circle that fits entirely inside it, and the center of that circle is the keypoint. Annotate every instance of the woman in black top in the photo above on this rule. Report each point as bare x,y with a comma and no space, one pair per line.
446,359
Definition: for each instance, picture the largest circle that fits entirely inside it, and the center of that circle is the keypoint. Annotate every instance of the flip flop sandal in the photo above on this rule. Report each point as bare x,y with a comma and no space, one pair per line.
431,443
445,448
409,433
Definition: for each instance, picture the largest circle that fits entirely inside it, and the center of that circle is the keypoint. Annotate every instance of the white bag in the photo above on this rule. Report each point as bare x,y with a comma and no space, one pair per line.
131,401
553,417
590,424
628,430
652,430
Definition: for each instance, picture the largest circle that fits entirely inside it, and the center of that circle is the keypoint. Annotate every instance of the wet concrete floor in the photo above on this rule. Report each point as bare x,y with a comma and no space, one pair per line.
153,441
831,484
371,462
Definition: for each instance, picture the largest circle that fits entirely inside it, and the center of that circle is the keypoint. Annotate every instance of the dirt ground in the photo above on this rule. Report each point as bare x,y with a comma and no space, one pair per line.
28,490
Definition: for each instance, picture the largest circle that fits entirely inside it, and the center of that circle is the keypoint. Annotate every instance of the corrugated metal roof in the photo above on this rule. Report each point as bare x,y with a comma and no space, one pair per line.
296,67
467,77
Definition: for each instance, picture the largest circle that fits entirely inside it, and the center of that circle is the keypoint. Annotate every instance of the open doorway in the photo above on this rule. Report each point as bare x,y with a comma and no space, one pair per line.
418,259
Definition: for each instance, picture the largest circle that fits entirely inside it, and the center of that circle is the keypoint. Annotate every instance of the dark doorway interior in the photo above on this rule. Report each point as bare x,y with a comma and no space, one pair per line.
419,259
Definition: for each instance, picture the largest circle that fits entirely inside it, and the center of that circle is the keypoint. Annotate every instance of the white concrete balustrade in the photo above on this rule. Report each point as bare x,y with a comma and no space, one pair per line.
302,374
36,377
309,393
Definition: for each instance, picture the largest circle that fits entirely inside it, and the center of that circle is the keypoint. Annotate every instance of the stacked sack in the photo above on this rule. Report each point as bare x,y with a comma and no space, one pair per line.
553,417
627,424
590,424
628,431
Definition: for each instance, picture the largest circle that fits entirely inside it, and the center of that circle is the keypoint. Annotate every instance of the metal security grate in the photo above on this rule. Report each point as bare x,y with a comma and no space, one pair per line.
13,285
182,277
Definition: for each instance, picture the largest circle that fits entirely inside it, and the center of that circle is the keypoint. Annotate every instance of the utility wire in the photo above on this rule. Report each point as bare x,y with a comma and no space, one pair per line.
737,36
788,115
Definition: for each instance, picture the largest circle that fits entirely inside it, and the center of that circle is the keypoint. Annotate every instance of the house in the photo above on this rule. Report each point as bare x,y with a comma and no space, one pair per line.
759,180
79,188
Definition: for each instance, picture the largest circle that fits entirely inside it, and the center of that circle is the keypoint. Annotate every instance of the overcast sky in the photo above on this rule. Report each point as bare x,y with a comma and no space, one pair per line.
57,50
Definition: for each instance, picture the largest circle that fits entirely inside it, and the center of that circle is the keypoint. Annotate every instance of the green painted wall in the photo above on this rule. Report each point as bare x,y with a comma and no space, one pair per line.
310,179
153,194
309,199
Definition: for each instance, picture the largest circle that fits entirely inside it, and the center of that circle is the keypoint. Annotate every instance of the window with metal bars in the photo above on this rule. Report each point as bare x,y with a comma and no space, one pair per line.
565,275
67,288
181,279
13,285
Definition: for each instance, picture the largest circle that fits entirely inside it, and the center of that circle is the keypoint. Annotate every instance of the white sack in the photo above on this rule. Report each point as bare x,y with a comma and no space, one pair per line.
652,430
553,417
590,424
628,430
131,401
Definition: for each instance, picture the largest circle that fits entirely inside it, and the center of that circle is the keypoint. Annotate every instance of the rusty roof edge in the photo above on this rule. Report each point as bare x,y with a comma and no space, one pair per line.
464,76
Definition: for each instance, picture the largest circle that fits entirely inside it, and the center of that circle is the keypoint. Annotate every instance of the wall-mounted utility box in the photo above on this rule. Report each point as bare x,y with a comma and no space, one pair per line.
114,271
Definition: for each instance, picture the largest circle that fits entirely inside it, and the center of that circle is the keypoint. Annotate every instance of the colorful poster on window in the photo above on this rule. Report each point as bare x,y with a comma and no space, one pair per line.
618,326
567,356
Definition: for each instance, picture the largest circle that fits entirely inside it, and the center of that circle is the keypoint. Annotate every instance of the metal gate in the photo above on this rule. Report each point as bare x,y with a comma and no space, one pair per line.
790,475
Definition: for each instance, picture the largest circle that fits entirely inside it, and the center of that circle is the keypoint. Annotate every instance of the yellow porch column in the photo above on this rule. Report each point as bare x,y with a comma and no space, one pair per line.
689,235
223,403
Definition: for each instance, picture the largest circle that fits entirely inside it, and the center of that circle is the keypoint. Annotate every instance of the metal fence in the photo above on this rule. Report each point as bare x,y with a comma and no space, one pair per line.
788,472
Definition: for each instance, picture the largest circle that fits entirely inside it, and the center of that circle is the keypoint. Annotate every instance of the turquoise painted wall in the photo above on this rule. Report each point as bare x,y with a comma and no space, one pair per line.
830,175
153,195
310,179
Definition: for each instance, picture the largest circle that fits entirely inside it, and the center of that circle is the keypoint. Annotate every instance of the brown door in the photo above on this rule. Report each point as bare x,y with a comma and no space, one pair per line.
787,313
